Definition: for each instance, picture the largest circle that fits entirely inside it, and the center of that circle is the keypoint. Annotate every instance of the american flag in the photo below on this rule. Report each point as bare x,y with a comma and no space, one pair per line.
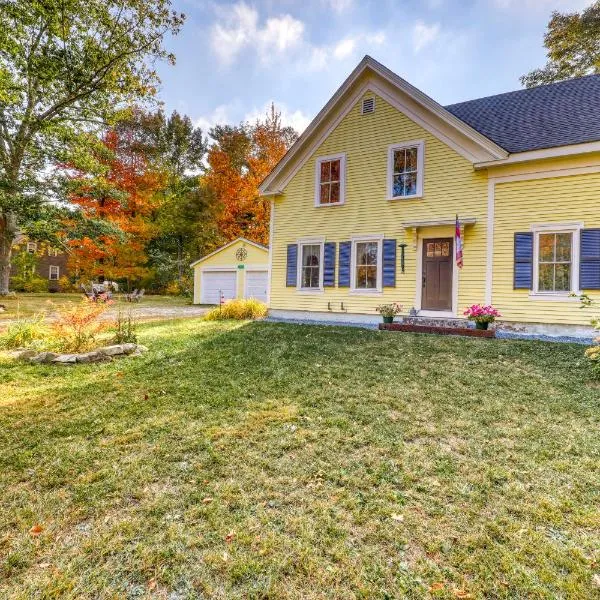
459,245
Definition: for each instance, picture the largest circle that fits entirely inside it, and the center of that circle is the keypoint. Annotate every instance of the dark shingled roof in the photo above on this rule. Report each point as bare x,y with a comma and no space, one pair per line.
557,114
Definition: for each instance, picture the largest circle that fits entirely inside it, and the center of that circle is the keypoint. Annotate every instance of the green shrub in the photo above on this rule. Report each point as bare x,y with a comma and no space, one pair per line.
29,284
26,333
238,309
125,329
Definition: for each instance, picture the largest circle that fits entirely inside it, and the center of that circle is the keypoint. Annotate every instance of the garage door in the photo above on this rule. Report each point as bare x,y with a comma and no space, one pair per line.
217,283
256,285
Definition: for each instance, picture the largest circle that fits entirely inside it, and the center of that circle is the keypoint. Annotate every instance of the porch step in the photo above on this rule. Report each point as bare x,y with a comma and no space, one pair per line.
438,322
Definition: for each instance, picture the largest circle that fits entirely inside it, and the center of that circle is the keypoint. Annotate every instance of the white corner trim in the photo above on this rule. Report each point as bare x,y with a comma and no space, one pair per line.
420,146
489,250
341,156
271,236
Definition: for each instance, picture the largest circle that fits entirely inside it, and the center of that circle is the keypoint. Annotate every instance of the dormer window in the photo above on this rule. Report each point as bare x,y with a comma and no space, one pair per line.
330,177
31,247
405,170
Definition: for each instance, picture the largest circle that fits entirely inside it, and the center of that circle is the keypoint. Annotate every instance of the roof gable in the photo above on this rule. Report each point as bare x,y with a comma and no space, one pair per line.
228,245
370,75
547,116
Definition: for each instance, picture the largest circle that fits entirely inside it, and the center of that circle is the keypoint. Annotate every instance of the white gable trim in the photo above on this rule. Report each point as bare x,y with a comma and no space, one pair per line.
240,239
300,151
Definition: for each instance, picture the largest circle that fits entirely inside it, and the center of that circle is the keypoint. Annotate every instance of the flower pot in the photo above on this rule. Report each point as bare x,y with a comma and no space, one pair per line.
483,325
388,319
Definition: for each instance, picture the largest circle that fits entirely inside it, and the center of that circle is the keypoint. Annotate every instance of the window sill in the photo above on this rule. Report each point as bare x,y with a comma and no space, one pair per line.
555,297
401,198
318,205
309,290
372,292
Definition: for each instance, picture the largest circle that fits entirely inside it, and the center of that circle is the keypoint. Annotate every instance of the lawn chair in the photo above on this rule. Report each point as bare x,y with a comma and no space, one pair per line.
89,295
139,296
130,297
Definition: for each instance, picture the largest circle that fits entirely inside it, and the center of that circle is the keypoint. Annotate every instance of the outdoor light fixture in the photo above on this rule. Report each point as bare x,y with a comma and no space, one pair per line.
402,247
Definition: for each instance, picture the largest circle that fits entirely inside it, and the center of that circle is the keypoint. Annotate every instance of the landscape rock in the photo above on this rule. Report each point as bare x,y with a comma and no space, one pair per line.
65,359
111,350
23,354
88,357
129,348
43,357
142,348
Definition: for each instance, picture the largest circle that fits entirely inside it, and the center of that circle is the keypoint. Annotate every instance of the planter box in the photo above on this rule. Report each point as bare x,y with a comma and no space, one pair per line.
466,331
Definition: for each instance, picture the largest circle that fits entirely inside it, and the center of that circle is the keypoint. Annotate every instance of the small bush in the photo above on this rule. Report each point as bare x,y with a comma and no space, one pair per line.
125,329
26,333
78,326
29,284
238,309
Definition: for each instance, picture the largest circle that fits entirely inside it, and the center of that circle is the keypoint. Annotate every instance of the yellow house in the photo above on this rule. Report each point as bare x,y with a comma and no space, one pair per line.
237,270
365,205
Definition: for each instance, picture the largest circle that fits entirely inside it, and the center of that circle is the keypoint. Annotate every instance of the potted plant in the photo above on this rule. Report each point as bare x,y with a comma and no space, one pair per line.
482,315
389,311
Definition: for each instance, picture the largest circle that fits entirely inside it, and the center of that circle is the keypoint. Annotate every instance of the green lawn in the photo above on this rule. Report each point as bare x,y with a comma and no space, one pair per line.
26,305
261,460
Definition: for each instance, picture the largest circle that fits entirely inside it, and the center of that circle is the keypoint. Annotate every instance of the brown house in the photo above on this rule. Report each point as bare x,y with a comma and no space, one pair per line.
50,263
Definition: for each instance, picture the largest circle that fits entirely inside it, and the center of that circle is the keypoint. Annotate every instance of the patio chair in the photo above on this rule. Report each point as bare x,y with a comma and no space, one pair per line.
139,296
130,297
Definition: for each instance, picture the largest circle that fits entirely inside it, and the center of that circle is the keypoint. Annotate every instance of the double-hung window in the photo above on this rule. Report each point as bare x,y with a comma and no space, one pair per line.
405,170
556,259
54,273
367,264
330,180
310,265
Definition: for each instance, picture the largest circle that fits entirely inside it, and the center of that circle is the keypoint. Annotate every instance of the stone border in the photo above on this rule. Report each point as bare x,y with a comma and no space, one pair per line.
466,331
103,354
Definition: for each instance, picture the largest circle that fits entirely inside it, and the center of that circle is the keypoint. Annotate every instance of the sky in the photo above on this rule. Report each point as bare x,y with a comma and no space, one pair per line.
235,58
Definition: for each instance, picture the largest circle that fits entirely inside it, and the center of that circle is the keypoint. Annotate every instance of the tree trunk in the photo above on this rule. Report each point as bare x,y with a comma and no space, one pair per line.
8,233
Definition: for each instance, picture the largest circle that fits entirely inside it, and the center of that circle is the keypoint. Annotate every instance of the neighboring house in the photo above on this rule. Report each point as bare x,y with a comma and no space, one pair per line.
237,270
383,170
47,263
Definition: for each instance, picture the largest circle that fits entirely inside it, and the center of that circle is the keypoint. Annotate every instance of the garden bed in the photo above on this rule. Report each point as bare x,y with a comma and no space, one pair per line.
439,330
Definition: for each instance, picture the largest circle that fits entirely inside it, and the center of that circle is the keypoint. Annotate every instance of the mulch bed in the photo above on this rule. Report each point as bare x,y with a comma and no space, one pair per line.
467,331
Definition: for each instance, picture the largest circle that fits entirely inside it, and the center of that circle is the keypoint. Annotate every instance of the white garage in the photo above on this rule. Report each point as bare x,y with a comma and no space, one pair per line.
239,269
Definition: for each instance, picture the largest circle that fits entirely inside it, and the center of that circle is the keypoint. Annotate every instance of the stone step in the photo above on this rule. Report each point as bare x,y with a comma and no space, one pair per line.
439,322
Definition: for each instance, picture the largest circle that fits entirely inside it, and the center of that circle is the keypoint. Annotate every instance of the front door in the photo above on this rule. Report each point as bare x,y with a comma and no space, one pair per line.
437,274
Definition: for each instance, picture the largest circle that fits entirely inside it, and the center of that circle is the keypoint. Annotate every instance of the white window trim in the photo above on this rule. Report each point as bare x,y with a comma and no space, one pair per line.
342,158
50,267
575,230
420,145
310,242
366,238
31,247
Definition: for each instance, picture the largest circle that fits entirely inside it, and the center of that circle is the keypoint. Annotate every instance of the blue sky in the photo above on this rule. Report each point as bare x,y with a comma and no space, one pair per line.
235,58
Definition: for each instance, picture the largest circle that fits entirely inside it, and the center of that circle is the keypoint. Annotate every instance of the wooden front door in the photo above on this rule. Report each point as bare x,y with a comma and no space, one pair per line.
437,274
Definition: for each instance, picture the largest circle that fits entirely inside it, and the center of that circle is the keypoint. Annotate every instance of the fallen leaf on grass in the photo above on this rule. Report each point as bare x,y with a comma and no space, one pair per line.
225,557
152,584
462,594
230,536
207,500
36,530
436,587
44,565
397,517
145,396
596,580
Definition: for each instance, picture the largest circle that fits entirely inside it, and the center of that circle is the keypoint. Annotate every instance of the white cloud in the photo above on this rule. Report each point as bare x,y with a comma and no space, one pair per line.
239,28
344,48
424,34
294,118
339,6
219,116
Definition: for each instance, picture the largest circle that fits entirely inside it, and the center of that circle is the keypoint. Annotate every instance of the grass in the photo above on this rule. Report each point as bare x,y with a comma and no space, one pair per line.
260,460
26,305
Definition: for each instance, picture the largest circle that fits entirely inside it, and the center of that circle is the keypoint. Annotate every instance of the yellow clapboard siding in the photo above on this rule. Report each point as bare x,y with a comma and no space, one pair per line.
518,205
450,186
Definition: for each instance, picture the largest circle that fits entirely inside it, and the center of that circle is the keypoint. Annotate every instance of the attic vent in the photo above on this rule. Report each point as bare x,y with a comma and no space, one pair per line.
368,106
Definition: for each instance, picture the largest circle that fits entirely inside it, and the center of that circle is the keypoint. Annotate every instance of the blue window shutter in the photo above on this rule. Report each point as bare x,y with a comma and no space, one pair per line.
329,264
292,265
344,266
589,259
389,263
523,274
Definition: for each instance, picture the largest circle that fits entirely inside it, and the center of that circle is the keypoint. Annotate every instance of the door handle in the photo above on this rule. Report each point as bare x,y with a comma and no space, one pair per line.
424,279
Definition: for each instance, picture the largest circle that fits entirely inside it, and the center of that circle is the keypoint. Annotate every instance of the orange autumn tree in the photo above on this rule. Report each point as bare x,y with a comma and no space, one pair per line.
125,195
239,159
